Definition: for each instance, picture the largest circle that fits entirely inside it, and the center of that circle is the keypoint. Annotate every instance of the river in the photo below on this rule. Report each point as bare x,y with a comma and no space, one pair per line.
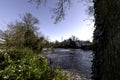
71,59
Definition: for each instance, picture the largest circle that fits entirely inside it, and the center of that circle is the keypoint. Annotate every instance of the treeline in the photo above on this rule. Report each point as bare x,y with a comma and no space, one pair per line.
73,43
68,43
19,58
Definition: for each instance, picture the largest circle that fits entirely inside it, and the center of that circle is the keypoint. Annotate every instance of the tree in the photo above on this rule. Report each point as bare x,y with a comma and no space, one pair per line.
106,39
23,34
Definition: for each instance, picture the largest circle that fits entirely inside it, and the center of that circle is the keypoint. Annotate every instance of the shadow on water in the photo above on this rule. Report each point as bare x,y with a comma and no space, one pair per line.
76,59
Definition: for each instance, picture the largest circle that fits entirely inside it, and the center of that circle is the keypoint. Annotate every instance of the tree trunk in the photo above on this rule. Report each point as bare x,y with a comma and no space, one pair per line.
106,62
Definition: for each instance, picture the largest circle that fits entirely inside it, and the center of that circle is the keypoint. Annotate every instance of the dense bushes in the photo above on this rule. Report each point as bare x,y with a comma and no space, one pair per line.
24,65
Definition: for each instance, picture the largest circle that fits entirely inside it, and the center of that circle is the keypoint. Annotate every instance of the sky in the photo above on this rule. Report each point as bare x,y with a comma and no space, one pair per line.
76,21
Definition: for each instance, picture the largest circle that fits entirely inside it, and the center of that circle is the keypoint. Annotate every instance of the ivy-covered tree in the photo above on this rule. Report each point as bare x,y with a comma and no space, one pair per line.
106,65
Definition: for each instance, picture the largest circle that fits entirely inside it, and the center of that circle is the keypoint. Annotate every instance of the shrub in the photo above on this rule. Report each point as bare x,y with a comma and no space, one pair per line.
24,65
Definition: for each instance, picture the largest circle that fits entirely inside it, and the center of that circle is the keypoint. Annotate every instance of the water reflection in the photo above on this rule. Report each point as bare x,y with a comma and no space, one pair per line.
76,59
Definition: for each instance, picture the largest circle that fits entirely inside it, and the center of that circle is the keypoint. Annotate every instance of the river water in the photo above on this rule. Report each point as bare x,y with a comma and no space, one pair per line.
71,59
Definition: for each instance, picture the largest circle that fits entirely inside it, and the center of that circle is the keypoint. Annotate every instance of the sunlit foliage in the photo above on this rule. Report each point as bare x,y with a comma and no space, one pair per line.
23,64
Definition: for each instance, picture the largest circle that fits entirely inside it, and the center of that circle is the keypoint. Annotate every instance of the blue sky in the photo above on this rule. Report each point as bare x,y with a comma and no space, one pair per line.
76,21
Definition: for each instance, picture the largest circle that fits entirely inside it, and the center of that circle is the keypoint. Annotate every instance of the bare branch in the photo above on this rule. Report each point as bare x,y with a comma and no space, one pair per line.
39,2
59,11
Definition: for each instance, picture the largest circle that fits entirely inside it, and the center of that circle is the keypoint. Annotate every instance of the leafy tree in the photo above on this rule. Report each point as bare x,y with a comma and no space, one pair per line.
23,34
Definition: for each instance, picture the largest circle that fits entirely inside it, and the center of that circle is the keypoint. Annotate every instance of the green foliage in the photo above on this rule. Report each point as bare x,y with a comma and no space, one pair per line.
68,43
17,58
24,65
23,34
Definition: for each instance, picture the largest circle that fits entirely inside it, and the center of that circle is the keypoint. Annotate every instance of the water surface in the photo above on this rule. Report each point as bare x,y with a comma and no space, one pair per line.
75,59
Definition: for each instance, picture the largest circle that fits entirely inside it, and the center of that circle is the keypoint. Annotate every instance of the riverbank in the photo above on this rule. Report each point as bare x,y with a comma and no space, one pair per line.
73,75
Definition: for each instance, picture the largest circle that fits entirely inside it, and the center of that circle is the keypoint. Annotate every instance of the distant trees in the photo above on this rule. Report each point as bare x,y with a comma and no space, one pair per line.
73,43
68,43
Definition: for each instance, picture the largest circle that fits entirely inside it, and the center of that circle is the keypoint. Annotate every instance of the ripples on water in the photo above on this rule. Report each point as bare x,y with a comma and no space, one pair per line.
75,59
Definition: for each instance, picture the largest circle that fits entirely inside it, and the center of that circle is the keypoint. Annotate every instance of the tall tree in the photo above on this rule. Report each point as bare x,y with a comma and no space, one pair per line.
23,34
106,38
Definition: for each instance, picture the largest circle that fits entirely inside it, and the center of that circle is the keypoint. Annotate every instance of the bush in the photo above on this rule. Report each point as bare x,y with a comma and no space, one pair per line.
24,65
